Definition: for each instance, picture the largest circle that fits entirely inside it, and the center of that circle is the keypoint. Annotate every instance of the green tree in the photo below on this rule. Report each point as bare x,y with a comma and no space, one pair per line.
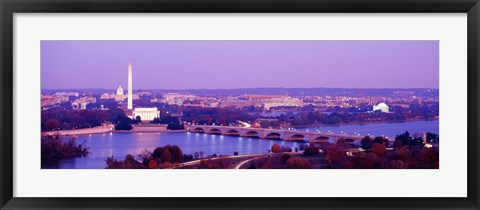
367,142
311,150
285,157
177,155
166,156
138,119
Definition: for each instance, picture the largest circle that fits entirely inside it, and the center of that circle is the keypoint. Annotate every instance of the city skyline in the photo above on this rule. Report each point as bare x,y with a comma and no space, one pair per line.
240,64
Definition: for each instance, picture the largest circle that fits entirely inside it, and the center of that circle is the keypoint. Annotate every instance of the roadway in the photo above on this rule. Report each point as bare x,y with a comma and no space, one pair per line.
196,162
239,165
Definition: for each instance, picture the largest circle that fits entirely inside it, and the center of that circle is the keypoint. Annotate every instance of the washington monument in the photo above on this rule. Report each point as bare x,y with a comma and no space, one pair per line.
130,97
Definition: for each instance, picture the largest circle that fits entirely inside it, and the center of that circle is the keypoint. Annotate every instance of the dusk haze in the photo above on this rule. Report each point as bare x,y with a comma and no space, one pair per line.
241,64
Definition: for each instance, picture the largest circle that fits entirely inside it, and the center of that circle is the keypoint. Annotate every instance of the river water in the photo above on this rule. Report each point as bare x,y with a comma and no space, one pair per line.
118,145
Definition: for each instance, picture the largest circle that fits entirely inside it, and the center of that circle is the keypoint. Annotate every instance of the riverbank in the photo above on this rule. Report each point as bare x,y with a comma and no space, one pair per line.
82,131
109,129
150,131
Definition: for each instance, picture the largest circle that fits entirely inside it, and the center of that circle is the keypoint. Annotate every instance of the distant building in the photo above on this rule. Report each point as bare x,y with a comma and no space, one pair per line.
195,103
82,103
262,97
66,94
105,96
120,91
213,104
146,114
48,100
285,101
177,98
236,103
382,107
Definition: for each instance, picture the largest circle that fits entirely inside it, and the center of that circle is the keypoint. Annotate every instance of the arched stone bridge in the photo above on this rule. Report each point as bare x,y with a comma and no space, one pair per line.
288,135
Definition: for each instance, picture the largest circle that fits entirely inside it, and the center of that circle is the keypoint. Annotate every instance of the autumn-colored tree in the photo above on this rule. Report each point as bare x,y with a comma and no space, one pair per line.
366,160
130,162
398,164
145,156
397,143
271,163
167,165
275,148
152,164
285,157
112,163
429,158
177,155
157,152
379,149
65,126
298,163
221,163
335,157
53,124
341,142
187,157
311,150
166,156
403,154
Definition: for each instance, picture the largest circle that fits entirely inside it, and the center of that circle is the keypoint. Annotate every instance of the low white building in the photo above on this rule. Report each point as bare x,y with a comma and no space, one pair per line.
285,101
146,114
382,107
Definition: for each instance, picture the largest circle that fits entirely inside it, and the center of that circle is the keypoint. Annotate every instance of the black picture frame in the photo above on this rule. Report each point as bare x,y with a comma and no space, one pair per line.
9,7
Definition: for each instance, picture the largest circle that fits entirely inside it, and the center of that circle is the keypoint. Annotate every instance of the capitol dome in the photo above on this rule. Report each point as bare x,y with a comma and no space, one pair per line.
120,91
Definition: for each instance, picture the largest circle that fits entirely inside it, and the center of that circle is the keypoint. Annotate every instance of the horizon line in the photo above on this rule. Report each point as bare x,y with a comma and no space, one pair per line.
238,88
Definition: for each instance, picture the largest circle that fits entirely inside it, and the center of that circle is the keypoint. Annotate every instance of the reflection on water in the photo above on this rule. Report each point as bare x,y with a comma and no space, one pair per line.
118,145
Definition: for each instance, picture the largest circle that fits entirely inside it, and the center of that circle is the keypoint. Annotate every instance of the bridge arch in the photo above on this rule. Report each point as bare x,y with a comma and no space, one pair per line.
350,141
215,131
252,134
322,138
273,135
232,132
198,130
297,137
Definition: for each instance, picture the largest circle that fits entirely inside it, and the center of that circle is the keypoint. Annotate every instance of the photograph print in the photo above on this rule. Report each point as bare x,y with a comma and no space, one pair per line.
237,104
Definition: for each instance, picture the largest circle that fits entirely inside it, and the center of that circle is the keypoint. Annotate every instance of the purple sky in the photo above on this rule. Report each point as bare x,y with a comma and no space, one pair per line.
240,64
